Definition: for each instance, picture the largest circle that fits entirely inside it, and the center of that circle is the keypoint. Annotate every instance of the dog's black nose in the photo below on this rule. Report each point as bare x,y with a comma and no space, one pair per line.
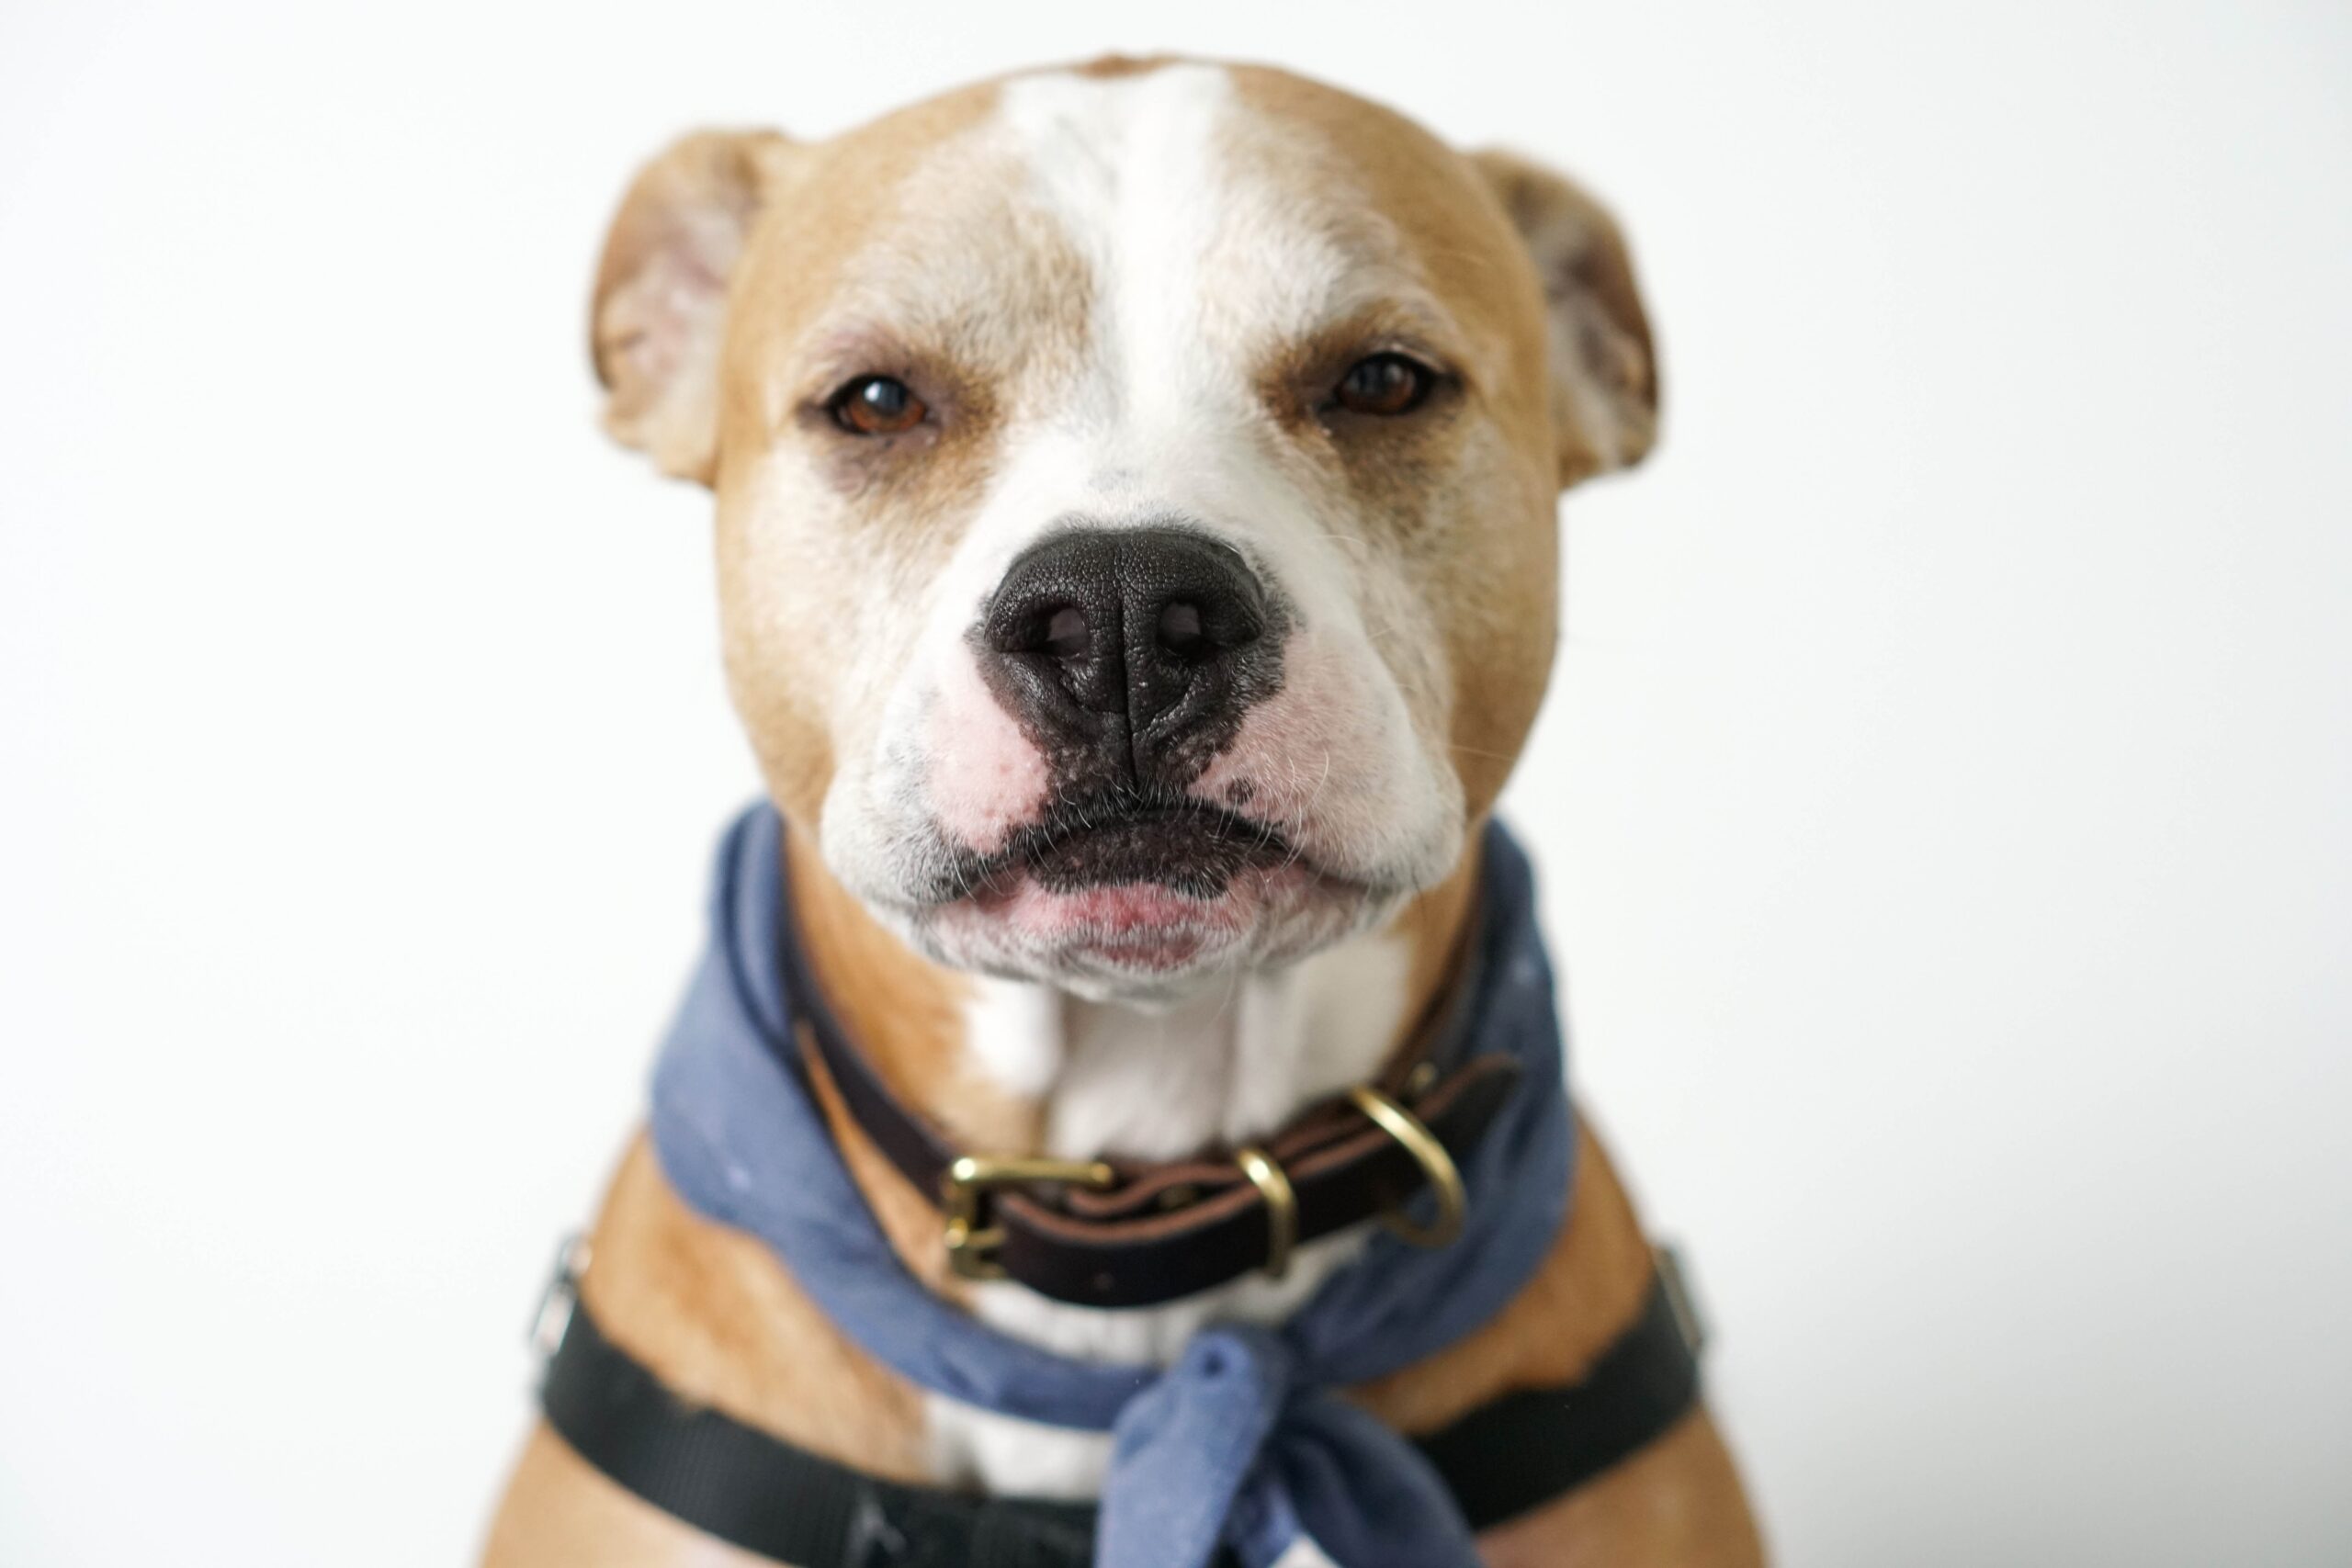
1130,654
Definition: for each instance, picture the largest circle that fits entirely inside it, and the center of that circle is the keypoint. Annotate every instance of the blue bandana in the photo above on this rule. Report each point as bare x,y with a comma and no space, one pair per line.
1242,1443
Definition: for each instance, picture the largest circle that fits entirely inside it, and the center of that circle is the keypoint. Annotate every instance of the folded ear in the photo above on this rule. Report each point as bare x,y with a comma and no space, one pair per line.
1604,371
661,305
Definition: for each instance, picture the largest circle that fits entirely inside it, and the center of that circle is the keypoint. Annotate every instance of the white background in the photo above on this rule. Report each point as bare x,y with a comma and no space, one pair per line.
1943,804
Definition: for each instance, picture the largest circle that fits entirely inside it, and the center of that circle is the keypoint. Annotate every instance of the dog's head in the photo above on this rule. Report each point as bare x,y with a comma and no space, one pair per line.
1136,494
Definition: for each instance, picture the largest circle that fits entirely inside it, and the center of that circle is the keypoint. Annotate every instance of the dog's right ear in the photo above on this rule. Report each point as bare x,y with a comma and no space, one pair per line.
661,305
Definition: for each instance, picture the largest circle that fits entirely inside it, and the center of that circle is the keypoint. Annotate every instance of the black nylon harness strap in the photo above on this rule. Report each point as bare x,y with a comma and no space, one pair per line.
766,1495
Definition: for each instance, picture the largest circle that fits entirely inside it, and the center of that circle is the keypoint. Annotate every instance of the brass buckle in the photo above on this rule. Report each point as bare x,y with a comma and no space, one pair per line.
971,1246
1281,1205
1452,1202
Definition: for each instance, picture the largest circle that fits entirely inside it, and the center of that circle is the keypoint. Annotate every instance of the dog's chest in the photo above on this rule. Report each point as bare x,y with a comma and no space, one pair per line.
1214,1069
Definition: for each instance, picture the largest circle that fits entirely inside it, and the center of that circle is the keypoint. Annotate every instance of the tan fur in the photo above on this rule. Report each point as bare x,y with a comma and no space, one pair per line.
723,252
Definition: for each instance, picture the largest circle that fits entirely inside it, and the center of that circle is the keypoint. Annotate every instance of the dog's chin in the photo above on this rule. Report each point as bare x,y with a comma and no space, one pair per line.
1141,939
1133,911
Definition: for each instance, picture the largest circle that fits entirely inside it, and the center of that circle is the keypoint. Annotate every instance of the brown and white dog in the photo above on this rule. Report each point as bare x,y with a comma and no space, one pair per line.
1107,459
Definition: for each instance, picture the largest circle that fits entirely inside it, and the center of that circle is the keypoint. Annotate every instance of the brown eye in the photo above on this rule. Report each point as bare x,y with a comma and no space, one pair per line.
878,405
1384,384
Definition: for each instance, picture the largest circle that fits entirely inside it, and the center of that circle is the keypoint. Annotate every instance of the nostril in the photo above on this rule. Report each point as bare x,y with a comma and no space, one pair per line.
1181,632
1066,633
1129,640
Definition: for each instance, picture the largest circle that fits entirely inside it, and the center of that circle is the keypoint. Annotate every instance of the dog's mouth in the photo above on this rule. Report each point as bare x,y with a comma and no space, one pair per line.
1132,894
1133,885
1189,846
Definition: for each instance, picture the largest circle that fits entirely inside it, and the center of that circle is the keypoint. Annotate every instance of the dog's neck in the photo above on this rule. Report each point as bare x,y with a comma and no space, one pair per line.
1017,1068
1009,1067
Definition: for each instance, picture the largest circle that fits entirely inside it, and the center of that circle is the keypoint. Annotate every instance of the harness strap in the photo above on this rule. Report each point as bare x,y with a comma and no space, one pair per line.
763,1495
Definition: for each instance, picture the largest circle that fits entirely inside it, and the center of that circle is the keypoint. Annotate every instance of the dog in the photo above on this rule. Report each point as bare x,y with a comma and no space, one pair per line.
1135,489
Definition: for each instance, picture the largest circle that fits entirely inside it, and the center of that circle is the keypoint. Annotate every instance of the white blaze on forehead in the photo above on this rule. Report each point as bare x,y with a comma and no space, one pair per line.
1129,164
1142,173
1203,262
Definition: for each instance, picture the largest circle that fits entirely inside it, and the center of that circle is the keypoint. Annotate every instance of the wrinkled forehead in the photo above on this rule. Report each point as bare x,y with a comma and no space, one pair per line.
1169,226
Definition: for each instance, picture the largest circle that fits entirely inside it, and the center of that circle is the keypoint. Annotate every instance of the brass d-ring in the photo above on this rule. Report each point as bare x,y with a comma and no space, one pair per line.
1452,1202
1281,1205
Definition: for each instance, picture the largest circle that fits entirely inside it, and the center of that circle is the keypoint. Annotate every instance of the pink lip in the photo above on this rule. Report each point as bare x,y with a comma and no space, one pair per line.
1128,909
1136,915
1136,925
1140,928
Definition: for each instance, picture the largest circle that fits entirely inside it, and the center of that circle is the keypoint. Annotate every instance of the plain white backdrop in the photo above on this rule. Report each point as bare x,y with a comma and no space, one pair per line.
1945,802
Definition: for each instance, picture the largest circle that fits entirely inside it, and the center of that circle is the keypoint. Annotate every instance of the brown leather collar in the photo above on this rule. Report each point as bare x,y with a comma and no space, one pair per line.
1123,1234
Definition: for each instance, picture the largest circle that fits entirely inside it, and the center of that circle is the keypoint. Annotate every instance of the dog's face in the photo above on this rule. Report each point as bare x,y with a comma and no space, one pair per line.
1136,495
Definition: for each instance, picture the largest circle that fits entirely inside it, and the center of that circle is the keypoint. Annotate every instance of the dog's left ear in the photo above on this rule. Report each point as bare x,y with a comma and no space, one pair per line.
1604,369
661,305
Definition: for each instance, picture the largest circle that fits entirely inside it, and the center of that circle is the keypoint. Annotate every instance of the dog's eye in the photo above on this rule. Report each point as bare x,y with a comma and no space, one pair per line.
1384,384
878,405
